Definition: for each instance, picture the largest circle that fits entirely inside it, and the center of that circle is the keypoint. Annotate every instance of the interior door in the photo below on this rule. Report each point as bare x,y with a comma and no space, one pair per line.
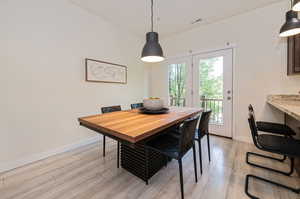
212,88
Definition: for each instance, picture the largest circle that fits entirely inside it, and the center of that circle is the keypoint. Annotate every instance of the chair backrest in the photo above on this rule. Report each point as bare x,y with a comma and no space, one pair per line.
137,105
251,110
109,109
253,128
187,135
203,127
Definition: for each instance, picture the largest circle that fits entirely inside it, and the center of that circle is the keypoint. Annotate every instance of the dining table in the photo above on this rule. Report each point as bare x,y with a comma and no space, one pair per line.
133,128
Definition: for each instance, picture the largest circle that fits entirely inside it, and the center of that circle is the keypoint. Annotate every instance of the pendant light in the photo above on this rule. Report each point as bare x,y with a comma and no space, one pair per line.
152,51
292,24
296,5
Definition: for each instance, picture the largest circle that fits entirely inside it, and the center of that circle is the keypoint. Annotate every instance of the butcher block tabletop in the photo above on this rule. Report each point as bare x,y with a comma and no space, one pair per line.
134,126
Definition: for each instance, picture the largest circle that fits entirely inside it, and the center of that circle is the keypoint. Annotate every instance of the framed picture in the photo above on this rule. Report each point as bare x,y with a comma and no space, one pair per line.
100,71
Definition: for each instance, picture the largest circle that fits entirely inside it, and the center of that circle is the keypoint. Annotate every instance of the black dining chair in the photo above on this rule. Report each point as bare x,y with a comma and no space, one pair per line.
269,127
281,145
201,131
174,147
110,109
137,105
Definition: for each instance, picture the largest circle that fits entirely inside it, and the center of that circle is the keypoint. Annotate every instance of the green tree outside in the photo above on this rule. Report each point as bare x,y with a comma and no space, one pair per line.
211,83
177,84
211,87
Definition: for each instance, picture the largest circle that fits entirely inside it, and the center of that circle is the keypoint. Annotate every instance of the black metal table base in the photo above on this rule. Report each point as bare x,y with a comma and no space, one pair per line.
134,159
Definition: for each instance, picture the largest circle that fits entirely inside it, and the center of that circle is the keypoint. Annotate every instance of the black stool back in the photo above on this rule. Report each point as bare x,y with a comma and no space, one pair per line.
271,127
251,110
253,129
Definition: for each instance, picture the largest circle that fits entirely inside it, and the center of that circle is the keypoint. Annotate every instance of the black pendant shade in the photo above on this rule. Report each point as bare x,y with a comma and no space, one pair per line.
296,5
291,26
152,51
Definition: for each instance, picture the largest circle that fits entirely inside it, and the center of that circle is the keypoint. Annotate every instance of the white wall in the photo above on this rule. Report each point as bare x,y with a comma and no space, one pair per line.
260,61
43,91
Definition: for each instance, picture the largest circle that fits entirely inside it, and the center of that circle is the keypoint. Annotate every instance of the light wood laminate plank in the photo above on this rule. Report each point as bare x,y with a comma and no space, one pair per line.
85,174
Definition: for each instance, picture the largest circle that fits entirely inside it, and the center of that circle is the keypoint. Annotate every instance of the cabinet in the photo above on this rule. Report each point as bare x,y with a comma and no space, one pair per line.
294,55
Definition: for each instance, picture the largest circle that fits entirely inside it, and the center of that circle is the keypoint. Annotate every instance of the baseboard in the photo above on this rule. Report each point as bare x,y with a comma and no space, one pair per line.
243,139
36,157
221,136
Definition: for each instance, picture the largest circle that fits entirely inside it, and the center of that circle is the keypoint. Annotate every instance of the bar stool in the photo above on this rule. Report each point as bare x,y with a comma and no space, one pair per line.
269,127
275,144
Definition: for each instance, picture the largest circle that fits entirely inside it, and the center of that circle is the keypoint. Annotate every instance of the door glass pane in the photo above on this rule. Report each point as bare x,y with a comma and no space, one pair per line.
177,84
211,87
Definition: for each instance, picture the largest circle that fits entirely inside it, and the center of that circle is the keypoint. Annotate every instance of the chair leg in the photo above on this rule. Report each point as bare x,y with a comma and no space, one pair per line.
166,159
208,146
118,155
269,157
200,155
195,163
267,181
147,165
247,188
103,145
267,168
283,159
181,178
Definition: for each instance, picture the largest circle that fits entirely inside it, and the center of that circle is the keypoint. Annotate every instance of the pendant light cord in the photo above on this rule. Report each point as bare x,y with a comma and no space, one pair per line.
151,15
292,2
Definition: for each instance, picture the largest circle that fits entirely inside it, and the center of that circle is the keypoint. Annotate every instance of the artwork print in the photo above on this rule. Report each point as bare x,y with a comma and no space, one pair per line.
100,71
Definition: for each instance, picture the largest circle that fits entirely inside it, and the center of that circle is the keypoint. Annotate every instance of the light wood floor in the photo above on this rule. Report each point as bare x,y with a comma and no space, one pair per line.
84,173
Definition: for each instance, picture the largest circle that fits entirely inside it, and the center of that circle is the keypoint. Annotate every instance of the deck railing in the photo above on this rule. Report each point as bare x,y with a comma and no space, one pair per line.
177,101
216,105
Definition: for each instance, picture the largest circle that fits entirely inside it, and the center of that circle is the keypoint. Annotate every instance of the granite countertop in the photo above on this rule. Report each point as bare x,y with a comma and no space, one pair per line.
289,104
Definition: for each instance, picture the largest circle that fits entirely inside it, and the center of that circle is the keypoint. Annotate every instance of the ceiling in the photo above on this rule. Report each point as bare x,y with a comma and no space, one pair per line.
171,16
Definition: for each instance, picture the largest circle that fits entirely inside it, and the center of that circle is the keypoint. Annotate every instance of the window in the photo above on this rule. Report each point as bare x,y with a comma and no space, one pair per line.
177,84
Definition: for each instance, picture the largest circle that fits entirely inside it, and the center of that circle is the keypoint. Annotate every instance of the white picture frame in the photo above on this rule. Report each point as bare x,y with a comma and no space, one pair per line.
105,72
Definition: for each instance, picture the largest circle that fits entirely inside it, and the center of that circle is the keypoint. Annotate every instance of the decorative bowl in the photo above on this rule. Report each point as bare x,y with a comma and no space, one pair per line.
153,104
161,111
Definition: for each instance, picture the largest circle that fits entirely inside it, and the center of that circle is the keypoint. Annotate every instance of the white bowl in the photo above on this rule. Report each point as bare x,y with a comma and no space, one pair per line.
153,104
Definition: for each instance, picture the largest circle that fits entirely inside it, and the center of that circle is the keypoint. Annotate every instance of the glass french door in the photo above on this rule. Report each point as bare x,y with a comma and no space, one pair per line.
212,88
204,80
